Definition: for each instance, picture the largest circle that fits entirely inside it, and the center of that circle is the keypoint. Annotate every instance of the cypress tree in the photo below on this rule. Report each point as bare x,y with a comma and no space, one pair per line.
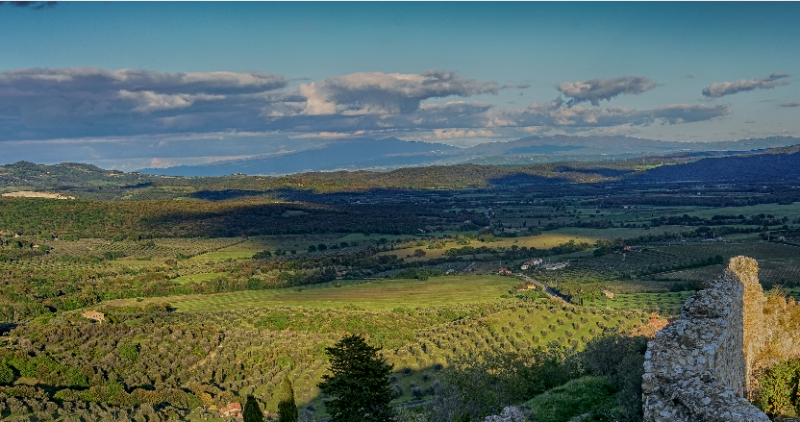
358,386
252,413
287,410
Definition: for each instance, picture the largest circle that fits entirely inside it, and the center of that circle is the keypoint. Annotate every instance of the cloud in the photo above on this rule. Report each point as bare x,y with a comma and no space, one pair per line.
790,105
41,103
326,135
35,5
150,101
595,90
460,133
721,89
558,113
94,103
366,93
514,85
93,78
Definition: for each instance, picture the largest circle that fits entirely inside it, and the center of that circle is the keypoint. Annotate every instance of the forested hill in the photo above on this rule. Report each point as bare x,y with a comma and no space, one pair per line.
770,165
24,175
90,182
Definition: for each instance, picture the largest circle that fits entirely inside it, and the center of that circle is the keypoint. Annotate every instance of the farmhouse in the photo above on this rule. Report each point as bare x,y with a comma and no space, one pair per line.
231,410
95,316
555,266
532,263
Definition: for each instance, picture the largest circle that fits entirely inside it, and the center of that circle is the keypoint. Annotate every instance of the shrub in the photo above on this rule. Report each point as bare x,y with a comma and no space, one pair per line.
621,359
593,395
397,390
778,389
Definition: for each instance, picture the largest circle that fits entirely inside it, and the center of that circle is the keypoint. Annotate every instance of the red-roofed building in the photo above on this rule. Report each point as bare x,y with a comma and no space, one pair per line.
231,410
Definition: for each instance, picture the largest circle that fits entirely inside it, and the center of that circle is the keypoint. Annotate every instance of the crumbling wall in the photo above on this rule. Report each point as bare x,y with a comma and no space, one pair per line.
701,367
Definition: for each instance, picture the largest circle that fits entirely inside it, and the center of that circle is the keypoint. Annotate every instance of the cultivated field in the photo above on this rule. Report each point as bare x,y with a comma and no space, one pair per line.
369,295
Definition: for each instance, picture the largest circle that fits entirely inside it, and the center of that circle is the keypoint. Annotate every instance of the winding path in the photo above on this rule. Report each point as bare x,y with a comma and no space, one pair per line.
550,292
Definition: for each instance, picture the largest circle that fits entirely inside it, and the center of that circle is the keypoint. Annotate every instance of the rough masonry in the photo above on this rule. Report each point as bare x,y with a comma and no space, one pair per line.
704,365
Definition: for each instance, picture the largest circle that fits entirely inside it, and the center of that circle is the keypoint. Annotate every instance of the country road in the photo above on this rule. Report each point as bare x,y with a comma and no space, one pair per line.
550,292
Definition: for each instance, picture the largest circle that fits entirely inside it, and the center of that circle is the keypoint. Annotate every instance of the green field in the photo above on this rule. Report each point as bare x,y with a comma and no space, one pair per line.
222,256
197,278
644,301
372,295
542,241
792,211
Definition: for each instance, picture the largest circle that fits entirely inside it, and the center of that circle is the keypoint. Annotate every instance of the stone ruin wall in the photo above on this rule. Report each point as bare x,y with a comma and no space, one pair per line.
704,365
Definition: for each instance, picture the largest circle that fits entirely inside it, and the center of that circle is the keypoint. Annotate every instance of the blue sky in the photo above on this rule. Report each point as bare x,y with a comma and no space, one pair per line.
128,85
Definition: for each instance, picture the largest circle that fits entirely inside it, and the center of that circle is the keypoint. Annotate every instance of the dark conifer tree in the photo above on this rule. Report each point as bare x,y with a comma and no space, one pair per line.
252,413
358,386
287,409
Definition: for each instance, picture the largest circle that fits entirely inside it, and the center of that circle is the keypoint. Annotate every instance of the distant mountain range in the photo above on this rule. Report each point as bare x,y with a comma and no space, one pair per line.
354,154
86,181
391,153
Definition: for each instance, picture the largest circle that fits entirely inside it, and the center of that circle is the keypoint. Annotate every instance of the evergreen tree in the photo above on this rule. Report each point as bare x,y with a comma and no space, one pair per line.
287,410
252,413
358,386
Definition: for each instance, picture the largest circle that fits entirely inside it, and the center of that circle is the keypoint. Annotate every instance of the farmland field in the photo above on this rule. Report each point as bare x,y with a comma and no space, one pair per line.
229,297
542,241
370,295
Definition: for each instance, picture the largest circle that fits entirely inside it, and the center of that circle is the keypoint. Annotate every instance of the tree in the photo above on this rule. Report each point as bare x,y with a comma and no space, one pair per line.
287,410
358,386
252,413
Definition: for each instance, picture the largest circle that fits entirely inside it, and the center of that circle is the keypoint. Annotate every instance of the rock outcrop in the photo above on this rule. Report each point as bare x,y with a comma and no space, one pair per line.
703,366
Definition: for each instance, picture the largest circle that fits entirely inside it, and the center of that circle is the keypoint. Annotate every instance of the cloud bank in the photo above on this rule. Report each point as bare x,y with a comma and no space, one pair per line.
721,89
595,90
35,5
90,102
387,93
557,114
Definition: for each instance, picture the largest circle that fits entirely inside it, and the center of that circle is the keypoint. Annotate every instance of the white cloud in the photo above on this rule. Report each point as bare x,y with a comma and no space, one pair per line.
460,133
595,90
721,89
556,113
150,101
368,93
94,78
94,103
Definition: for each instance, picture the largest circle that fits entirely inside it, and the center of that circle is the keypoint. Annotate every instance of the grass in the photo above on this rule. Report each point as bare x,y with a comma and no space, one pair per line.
221,256
643,300
583,395
542,241
198,278
374,295
616,232
792,211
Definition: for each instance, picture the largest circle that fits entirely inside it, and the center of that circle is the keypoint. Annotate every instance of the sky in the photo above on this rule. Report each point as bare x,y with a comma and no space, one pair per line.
129,85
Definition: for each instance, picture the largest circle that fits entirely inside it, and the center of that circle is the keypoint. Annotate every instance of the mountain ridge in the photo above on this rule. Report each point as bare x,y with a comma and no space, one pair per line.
392,153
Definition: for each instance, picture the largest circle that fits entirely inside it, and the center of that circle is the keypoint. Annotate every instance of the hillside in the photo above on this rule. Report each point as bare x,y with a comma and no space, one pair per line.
390,153
85,181
766,166
351,155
